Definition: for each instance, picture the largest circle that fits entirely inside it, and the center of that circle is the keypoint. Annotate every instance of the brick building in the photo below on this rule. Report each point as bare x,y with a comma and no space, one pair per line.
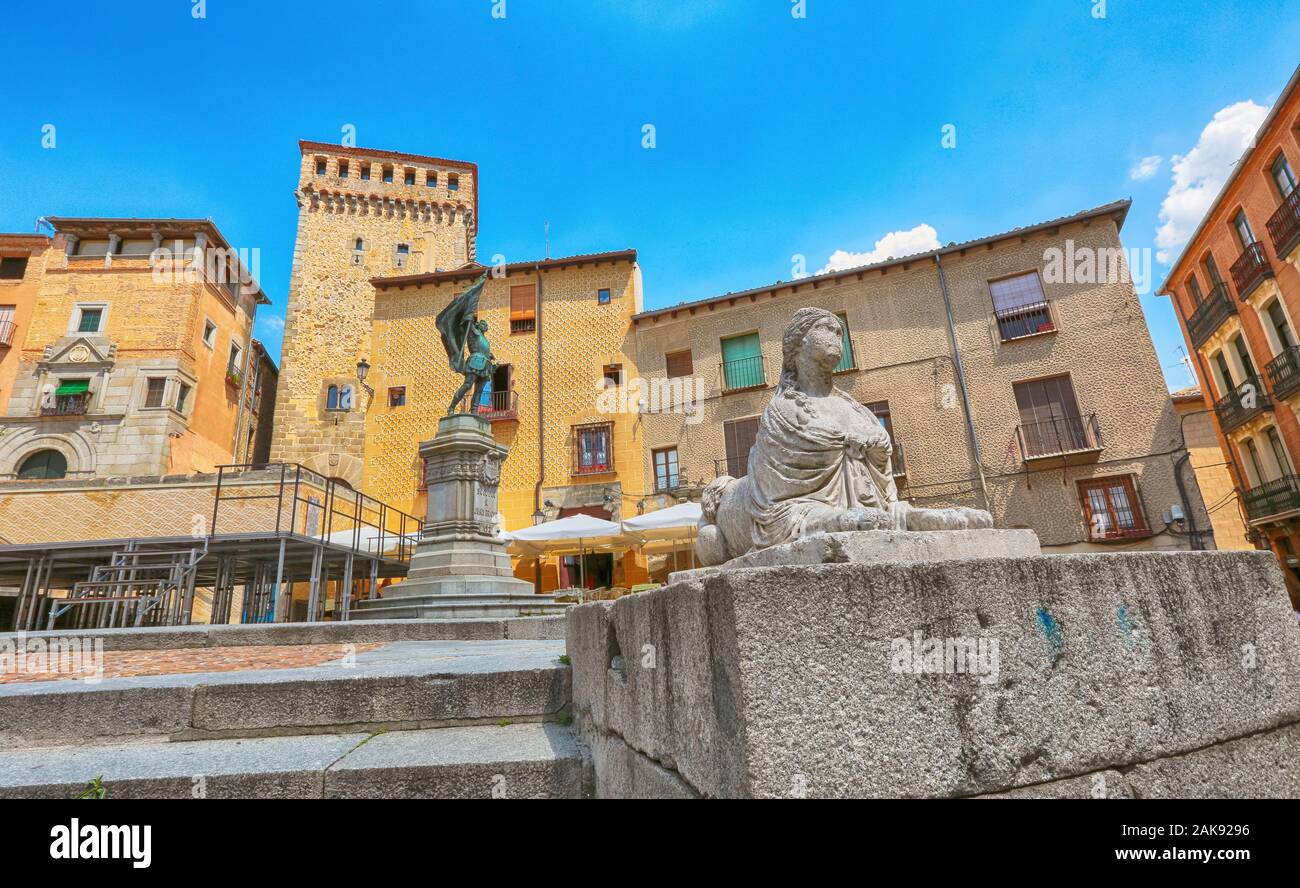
1236,291
361,213
1012,374
133,352
561,332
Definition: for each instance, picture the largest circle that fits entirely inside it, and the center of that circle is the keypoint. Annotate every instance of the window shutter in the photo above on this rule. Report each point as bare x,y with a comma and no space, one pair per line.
679,364
523,302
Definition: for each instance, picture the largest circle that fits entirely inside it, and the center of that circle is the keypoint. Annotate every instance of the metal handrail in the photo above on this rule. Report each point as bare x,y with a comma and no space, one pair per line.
1059,436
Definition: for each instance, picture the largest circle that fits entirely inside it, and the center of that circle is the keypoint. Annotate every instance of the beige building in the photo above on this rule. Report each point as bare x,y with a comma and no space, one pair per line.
361,214
1015,373
1212,475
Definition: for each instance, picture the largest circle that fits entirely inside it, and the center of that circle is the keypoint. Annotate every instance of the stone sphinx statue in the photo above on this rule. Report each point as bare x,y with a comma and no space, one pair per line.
821,462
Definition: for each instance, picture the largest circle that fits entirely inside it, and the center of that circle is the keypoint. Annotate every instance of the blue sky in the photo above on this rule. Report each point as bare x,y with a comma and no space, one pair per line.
775,135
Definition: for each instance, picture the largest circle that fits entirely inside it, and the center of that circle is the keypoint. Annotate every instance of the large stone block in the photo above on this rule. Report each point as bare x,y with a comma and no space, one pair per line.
780,681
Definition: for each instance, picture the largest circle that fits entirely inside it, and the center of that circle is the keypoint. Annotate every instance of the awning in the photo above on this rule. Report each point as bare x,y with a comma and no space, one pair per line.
678,522
73,387
571,534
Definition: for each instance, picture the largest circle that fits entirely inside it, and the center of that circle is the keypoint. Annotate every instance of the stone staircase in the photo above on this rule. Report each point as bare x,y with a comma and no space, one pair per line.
413,718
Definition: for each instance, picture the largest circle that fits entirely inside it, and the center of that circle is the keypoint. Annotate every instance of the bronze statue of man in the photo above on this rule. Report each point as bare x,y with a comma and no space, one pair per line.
460,329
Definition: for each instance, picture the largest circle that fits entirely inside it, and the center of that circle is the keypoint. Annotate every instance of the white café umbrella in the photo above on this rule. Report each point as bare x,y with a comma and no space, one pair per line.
580,532
679,522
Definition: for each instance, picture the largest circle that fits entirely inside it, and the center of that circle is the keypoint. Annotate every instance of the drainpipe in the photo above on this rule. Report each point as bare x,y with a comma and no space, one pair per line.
961,384
1192,532
541,416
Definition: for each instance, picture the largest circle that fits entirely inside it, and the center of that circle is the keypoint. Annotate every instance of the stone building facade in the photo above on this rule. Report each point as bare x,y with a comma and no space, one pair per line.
134,358
561,332
1011,379
1236,291
361,213
1227,514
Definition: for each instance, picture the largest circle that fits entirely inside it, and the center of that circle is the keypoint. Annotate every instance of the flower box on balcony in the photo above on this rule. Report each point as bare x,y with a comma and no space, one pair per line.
234,379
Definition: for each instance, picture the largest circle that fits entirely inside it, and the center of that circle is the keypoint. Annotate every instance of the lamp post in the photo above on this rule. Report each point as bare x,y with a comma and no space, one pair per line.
363,370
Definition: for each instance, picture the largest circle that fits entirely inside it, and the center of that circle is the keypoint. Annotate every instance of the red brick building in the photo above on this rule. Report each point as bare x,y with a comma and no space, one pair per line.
1236,290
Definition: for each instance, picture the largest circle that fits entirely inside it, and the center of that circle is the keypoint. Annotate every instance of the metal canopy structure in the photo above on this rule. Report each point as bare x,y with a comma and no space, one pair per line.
272,526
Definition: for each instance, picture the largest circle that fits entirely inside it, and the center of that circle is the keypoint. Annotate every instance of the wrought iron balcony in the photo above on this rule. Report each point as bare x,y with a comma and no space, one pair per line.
735,466
504,406
1250,269
1242,404
1210,314
743,373
1064,436
1284,372
1273,498
1024,320
1284,225
68,405
7,329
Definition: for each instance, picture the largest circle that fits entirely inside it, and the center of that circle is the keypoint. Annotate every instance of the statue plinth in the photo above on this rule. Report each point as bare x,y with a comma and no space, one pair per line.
460,568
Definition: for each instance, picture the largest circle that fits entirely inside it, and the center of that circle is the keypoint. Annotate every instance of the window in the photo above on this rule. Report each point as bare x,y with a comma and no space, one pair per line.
43,465
881,411
7,324
12,268
1111,508
1277,317
679,364
92,248
1194,288
1253,464
1212,270
71,398
235,363
409,178
182,396
523,308
1242,227
332,398
431,178
343,169
742,362
1283,178
365,172
401,255
89,319
209,334
602,296
397,396
613,375
1049,418
738,436
666,476
1279,452
321,166
388,174
155,388
453,182
1020,306
592,449
846,345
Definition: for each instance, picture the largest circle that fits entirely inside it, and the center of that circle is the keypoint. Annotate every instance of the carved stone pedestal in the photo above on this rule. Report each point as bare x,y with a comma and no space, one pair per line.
460,569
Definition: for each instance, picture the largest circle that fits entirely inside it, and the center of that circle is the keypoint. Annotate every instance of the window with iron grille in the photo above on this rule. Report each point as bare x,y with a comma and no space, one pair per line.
592,448
1111,508
523,308
1020,306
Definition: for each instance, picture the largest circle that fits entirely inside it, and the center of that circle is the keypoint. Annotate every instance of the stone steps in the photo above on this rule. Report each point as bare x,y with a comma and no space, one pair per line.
513,761
459,607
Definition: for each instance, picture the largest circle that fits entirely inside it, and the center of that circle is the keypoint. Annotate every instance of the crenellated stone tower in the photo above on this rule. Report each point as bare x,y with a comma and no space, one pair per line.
362,214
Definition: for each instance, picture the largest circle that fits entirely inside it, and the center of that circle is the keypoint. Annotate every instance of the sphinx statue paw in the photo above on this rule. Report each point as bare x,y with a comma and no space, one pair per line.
957,518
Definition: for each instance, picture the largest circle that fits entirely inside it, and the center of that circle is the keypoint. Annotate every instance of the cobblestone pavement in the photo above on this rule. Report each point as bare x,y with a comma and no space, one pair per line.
117,664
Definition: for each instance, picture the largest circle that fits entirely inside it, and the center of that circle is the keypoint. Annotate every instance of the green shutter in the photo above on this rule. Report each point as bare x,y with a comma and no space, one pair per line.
742,361
846,355
73,387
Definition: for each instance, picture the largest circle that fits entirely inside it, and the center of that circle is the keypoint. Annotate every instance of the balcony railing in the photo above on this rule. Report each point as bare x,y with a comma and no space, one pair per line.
1024,320
899,461
1062,436
1273,498
1284,372
1243,403
504,406
7,329
735,466
743,373
1284,225
1210,314
1250,269
68,405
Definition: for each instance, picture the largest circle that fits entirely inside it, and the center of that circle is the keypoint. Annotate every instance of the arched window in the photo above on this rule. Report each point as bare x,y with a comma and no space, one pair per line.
332,398
43,464
359,245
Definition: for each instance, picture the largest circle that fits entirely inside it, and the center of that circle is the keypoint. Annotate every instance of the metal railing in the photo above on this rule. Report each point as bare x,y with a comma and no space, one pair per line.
1024,320
1284,372
1284,225
68,405
325,509
504,406
735,466
1242,403
743,373
1059,436
1210,313
899,461
7,329
1272,498
1250,269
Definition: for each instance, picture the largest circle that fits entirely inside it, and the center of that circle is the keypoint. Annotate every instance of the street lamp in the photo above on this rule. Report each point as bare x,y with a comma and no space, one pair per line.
363,368
538,517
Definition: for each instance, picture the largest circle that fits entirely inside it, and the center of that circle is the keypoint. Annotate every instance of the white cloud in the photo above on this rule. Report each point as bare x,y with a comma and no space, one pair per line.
894,245
272,322
1146,167
1199,174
